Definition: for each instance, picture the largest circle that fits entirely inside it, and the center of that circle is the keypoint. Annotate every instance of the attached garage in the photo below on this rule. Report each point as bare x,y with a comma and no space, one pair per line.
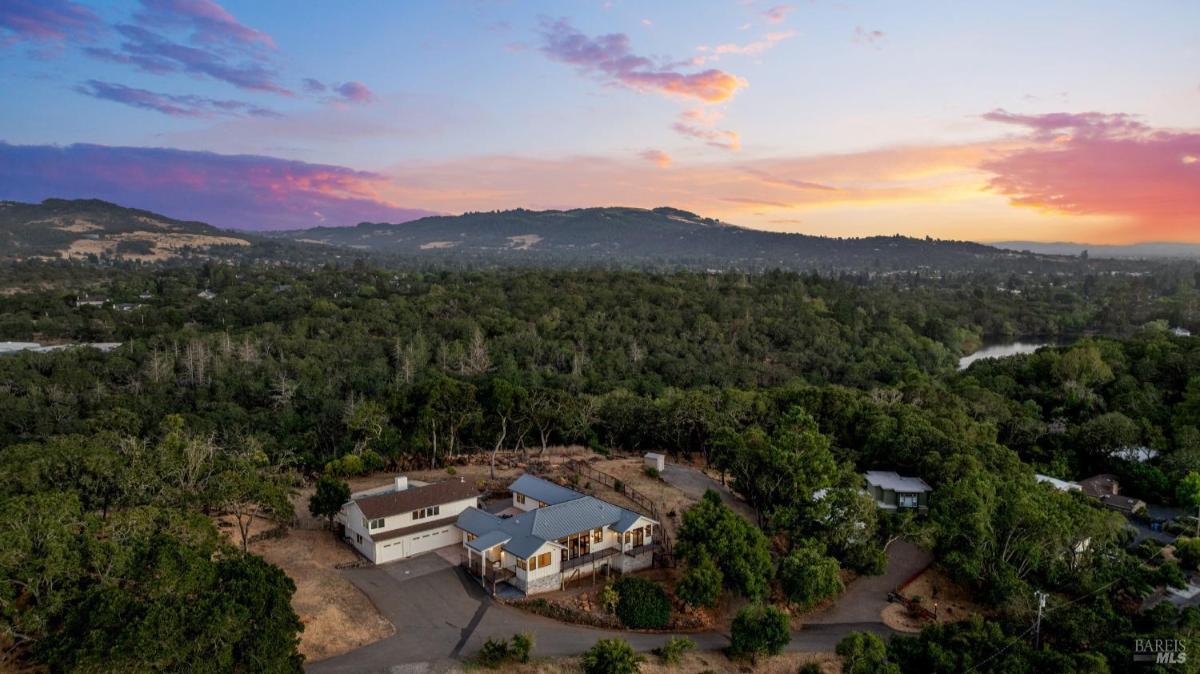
404,521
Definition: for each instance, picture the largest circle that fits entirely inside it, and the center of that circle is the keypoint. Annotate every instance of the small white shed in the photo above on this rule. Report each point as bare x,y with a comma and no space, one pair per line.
655,461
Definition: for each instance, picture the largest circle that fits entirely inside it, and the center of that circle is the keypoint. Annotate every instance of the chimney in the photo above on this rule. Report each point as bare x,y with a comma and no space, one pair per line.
401,482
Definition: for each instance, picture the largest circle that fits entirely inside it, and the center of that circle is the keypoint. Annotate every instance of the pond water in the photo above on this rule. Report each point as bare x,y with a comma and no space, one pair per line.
1000,351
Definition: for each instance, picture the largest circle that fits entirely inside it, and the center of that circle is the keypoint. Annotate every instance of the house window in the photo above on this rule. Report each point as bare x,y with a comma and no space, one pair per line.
519,497
377,523
470,537
522,565
598,535
543,560
908,500
359,537
426,512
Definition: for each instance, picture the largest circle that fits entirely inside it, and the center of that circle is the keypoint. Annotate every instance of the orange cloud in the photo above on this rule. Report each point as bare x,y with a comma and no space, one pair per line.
610,57
657,157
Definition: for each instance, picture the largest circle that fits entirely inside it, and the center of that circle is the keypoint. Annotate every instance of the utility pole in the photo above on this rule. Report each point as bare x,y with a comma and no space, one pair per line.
1037,639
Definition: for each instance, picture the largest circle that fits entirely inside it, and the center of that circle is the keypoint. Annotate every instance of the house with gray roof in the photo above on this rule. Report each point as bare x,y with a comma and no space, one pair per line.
551,535
893,491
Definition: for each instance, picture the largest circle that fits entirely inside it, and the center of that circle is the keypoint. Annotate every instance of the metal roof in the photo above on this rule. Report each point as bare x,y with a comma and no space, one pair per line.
478,522
886,479
543,490
488,540
556,521
525,546
628,519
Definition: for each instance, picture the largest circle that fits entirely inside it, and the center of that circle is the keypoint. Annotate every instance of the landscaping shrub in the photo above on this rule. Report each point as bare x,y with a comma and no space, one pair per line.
608,598
865,653
521,646
759,629
810,668
651,472
672,651
642,604
611,656
496,652
493,653
701,584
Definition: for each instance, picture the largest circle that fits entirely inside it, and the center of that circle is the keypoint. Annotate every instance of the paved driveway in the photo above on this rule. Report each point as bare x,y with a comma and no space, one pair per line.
694,482
441,615
865,598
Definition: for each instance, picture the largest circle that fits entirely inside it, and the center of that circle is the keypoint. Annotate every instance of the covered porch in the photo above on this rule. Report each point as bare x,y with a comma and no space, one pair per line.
484,560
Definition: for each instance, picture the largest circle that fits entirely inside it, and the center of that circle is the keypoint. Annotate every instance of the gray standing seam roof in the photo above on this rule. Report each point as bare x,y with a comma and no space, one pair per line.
543,490
569,512
488,540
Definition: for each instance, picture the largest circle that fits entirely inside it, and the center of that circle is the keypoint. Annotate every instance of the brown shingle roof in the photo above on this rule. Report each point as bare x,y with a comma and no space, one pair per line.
397,533
394,503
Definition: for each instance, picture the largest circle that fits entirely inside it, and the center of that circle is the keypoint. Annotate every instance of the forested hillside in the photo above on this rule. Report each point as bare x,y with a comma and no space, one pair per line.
109,461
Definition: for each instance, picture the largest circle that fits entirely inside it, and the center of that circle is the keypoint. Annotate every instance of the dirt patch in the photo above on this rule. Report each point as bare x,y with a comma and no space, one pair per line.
937,593
162,246
337,616
632,471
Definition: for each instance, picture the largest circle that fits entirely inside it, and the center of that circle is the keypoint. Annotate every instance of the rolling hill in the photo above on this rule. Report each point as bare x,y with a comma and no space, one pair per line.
641,237
84,228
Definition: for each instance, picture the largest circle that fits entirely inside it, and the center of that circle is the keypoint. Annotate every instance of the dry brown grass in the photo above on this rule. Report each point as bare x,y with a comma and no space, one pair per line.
954,602
632,471
337,616
785,663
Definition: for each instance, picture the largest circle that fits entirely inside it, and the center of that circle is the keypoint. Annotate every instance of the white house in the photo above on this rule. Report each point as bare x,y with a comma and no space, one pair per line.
554,535
400,521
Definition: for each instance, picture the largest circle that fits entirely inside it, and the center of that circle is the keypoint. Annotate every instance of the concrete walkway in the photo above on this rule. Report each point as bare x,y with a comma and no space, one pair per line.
441,615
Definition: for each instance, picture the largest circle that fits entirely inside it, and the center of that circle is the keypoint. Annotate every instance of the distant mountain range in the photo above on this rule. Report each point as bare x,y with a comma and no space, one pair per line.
611,236
641,237
1136,251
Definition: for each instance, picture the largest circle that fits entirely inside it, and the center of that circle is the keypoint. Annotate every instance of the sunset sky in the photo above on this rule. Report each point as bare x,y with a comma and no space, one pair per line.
1040,120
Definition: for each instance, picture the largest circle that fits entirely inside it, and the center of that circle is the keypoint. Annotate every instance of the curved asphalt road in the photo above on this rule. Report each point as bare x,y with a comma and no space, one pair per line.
441,615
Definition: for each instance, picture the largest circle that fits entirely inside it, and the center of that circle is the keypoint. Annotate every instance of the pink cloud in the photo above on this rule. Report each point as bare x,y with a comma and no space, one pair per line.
354,92
46,21
778,13
210,23
170,104
1104,164
657,157
726,140
611,57
240,191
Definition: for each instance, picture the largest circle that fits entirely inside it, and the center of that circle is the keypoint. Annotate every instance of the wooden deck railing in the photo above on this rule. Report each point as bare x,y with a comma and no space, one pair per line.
648,505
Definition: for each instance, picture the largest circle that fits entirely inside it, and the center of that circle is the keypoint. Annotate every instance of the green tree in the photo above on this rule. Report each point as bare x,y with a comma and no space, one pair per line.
738,548
328,498
611,656
759,629
864,653
807,576
1188,493
702,583
641,603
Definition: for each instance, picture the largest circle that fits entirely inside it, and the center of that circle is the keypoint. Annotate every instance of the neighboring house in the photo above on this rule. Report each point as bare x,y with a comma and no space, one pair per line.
552,535
893,491
206,294
1124,504
1061,485
1099,486
1106,488
400,521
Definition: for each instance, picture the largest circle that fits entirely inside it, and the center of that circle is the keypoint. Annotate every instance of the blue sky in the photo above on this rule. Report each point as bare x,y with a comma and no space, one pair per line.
843,118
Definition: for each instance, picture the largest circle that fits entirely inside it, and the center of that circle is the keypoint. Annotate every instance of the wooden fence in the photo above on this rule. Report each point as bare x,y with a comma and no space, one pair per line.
645,502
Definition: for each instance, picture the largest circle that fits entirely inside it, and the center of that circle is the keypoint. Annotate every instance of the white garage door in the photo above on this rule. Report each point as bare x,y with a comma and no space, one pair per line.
431,540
